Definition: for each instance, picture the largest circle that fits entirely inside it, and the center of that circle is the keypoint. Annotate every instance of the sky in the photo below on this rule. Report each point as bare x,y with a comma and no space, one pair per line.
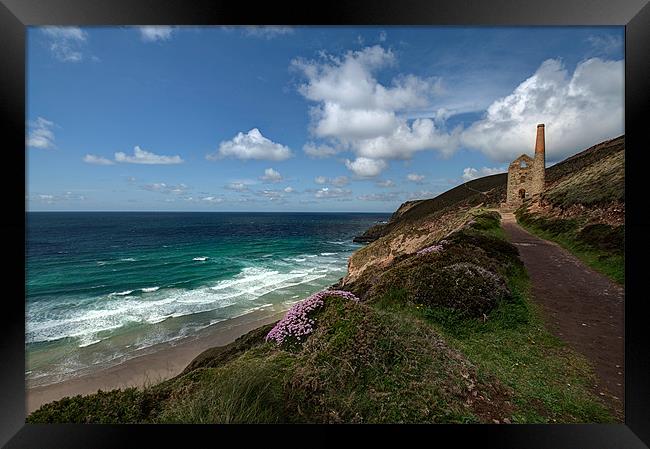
306,119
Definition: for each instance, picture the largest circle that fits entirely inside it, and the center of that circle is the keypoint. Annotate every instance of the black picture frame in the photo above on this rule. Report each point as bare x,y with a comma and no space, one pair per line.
16,15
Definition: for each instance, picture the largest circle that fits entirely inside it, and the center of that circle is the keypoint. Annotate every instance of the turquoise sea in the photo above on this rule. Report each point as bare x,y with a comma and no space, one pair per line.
103,287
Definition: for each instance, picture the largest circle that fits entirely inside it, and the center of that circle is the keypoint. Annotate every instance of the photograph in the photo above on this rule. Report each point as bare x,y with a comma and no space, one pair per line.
310,224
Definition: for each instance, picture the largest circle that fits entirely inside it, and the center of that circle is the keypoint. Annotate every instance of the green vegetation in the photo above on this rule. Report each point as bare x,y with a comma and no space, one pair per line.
548,381
599,245
403,354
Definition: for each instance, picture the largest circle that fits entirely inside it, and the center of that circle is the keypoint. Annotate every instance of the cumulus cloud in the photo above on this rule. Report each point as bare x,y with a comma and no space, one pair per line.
141,156
365,167
271,175
155,33
578,109
289,189
414,177
97,160
40,134
252,145
470,173
355,110
267,32
66,43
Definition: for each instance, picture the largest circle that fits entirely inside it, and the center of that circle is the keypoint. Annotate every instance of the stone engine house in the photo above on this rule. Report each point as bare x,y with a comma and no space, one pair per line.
526,175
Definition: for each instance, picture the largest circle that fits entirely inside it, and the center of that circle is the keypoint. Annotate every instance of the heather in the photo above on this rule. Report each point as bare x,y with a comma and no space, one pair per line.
300,320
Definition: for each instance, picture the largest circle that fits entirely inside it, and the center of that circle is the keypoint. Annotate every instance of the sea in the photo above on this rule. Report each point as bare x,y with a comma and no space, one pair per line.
103,287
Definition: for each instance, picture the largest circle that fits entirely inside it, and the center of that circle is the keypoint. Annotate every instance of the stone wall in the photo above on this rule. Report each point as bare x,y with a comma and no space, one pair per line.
520,180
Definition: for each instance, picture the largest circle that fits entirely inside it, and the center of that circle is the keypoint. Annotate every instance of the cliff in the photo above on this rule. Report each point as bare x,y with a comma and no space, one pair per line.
432,324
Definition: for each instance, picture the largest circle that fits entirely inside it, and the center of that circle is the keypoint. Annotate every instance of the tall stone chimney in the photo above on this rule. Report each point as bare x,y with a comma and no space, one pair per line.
539,165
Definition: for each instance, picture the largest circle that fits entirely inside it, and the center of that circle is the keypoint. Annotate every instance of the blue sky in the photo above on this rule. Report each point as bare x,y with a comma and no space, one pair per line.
303,118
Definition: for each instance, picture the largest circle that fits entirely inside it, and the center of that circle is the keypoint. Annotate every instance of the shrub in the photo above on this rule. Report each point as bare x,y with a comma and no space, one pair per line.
603,236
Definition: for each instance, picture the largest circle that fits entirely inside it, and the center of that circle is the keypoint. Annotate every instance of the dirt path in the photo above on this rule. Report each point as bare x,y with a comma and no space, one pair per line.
581,306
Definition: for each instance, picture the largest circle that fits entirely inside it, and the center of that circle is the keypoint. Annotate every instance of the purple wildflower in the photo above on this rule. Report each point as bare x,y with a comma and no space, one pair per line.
431,249
297,323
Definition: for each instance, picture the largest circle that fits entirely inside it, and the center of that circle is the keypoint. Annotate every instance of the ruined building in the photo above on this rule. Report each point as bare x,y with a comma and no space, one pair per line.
526,174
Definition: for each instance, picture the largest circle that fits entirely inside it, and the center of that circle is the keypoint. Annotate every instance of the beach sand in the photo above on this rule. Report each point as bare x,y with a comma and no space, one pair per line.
164,362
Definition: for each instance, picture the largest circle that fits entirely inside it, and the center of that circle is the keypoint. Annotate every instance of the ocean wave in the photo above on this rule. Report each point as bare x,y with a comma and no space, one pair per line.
124,293
96,319
150,289
88,342
328,254
200,258
128,259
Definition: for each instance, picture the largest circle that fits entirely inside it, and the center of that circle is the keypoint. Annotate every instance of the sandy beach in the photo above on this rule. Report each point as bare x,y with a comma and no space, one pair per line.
163,362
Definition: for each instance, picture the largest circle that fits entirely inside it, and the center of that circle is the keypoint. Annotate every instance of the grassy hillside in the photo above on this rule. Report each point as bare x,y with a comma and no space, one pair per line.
583,208
415,348
432,324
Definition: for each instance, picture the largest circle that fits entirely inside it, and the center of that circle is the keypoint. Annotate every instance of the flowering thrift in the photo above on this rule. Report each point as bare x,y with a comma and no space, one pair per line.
297,324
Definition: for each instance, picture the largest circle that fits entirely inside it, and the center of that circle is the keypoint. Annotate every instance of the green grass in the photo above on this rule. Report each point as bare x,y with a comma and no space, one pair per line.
598,246
549,382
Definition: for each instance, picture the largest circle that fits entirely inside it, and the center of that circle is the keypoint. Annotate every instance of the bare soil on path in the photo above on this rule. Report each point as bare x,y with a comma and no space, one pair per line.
582,307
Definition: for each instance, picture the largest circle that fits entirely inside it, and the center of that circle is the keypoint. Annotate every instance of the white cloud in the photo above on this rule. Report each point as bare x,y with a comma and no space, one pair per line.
40,134
339,181
470,173
141,156
165,188
606,44
267,32
320,151
289,189
66,43
252,145
272,195
327,192
578,109
365,167
155,33
414,177
237,186
365,116
271,175
97,160
382,36
212,199
56,198
385,183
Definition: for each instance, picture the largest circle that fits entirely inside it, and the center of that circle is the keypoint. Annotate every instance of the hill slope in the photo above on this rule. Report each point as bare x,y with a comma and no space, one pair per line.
440,330
572,186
